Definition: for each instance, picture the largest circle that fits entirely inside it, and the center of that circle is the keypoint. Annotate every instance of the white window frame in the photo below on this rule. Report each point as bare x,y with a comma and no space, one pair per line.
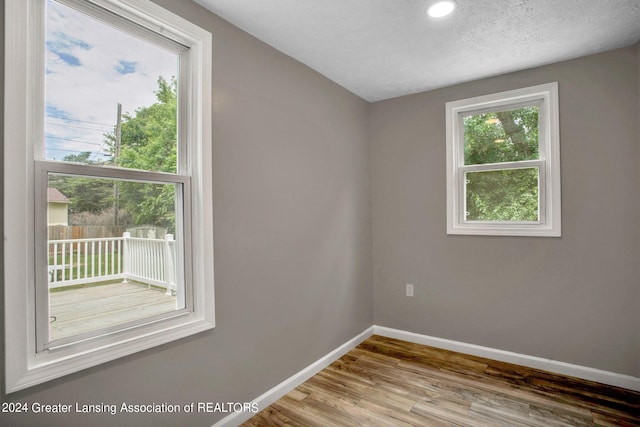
27,363
545,96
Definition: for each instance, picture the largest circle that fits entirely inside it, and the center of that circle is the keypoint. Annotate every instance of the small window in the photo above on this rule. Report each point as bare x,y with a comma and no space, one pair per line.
108,105
503,164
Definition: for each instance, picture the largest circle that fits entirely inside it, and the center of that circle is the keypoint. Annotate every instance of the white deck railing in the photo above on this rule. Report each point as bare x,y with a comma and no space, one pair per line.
81,261
151,261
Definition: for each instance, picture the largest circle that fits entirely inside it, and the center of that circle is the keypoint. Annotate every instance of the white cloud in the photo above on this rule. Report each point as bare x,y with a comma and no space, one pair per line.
91,67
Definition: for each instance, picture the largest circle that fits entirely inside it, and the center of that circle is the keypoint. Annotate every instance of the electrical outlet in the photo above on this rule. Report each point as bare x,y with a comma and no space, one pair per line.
409,290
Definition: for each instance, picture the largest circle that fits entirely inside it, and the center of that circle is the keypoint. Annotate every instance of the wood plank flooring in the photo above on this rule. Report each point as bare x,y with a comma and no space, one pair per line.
80,310
387,382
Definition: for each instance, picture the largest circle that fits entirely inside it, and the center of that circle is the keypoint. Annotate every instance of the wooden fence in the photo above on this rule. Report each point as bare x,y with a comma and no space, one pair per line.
75,232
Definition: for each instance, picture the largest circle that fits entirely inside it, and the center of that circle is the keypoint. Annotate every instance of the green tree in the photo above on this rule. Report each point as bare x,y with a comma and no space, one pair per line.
149,142
504,136
498,137
85,194
84,157
148,136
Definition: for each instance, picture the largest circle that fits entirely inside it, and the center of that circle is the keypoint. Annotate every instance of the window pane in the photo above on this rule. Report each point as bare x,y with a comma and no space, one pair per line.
112,253
502,195
501,136
110,96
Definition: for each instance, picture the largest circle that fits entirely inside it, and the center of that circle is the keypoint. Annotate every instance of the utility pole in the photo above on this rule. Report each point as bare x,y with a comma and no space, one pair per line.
116,157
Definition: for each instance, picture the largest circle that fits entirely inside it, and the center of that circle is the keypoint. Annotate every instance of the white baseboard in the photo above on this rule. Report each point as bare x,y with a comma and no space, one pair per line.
583,372
269,397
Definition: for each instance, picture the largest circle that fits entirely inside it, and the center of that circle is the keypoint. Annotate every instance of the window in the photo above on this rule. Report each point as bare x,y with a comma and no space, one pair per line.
108,146
503,163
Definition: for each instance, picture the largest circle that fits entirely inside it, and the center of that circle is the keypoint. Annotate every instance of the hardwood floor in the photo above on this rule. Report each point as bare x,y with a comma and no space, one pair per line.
387,382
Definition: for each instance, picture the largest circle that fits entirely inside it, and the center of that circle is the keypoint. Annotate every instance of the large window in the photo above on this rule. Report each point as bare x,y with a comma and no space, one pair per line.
107,143
503,164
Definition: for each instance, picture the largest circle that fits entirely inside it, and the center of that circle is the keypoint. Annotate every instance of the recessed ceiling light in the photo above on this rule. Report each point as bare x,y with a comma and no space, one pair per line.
441,9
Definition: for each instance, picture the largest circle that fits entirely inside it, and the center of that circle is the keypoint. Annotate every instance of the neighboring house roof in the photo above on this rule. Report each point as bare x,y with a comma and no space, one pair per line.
54,195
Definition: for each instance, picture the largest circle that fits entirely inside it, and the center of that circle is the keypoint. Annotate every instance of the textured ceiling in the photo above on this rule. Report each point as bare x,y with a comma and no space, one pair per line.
381,49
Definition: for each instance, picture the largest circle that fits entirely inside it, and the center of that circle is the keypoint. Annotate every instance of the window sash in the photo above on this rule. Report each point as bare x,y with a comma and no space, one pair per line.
527,164
183,254
534,101
127,14
541,165
125,18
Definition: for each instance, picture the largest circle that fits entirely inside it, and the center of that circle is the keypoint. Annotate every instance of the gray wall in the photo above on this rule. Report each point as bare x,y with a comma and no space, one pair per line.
573,299
292,243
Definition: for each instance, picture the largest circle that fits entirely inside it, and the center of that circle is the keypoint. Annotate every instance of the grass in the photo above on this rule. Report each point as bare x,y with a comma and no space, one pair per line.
100,266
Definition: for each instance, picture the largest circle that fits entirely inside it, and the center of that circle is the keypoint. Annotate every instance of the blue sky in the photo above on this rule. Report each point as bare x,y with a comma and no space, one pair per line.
90,68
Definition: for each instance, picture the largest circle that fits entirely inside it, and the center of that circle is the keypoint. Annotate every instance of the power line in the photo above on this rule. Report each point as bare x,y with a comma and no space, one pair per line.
73,140
81,121
99,151
78,127
62,149
69,152
96,156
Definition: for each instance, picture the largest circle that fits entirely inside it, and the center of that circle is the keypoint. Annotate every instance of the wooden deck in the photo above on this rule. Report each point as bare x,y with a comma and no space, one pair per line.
387,382
79,310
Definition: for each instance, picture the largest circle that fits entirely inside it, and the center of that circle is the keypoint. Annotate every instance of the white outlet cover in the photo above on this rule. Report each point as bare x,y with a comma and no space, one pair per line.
409,290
